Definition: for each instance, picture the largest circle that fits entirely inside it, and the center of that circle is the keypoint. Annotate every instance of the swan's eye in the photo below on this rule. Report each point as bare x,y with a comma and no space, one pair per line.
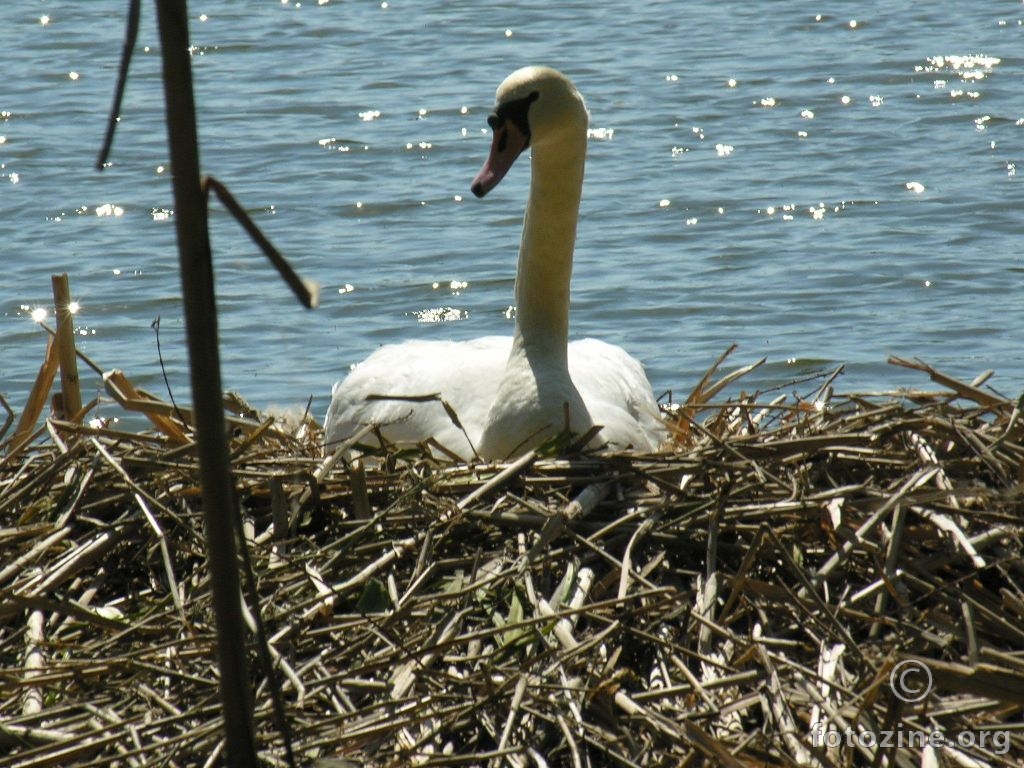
515,111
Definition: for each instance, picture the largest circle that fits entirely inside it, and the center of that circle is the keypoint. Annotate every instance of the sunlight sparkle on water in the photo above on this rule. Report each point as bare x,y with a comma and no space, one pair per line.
455,286
38,314
332,143
440,315
962,64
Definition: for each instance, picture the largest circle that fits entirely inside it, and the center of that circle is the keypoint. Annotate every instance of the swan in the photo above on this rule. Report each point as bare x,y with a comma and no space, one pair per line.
512,393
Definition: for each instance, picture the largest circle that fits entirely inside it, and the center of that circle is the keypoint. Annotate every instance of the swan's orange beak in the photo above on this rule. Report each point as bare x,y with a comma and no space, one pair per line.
508,143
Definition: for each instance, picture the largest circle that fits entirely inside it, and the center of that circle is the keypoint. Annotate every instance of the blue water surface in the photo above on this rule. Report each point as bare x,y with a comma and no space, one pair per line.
820,189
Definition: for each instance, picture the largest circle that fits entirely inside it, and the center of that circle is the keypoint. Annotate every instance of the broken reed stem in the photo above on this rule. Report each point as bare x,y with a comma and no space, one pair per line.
70,390
34,662
37,396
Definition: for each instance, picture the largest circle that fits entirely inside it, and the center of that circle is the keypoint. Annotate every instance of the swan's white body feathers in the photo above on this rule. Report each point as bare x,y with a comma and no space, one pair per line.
467,376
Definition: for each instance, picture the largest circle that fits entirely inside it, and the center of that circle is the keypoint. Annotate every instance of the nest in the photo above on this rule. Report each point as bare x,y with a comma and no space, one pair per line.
793,580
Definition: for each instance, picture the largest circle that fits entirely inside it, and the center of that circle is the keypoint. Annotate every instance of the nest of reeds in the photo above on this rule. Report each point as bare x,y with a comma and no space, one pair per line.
741,599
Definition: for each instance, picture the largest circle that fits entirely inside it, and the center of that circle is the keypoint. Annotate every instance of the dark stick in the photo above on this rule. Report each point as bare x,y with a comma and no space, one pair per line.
220,508
308,293
131,33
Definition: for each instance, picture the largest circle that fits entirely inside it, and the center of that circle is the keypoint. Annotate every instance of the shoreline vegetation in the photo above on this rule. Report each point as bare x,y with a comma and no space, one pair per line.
725,601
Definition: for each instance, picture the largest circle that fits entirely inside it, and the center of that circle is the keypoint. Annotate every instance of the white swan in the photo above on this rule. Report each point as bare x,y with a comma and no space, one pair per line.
511,394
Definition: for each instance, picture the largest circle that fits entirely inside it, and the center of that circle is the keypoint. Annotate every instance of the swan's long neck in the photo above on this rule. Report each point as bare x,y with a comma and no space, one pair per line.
545,253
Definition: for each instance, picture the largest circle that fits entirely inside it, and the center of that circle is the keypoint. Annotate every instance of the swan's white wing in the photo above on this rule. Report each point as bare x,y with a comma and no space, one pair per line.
617,394
466,374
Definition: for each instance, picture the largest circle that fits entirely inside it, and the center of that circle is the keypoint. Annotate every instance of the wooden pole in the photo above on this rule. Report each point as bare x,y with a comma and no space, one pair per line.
220,508
70,390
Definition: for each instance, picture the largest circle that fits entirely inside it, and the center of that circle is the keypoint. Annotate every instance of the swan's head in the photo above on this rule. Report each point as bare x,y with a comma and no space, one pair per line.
535,106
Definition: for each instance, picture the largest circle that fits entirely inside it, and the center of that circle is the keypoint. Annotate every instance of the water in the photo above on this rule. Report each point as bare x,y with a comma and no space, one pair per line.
819,189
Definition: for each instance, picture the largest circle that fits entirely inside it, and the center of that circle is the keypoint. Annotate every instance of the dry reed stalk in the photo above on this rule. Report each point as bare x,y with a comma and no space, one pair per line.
71,393
36,398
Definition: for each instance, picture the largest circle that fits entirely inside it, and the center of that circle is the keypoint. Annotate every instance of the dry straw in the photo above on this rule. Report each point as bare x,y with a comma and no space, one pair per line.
740,599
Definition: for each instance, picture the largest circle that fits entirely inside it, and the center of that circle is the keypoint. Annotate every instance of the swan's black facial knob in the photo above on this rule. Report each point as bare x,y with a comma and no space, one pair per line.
516,111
